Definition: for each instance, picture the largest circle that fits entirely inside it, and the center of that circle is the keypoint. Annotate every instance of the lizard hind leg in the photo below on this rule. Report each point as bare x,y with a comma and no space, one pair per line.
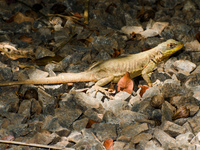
102,82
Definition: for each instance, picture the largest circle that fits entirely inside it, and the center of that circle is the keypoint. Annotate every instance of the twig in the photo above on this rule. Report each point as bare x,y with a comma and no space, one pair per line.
86,11
33,145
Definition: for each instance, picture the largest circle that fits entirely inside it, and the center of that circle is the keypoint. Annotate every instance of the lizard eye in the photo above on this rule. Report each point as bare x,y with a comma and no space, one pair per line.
172,45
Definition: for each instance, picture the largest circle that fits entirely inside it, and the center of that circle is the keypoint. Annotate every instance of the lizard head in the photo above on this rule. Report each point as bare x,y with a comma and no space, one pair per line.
169,47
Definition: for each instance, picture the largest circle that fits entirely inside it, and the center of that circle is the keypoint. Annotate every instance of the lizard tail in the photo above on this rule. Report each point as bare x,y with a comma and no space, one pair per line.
61,78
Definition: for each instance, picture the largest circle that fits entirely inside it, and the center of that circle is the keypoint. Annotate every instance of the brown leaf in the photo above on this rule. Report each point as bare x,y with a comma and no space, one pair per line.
26,39
181,112
117,52
125,84
8,138
197,36
143,89
111,89
19,18
108,144
90,123
77,15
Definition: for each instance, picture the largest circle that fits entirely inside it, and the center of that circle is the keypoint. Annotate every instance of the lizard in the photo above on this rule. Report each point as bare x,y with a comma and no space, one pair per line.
113,69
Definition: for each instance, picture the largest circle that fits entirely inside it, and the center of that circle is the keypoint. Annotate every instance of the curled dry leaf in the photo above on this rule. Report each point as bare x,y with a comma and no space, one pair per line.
181,112
108,144
125,84
143,89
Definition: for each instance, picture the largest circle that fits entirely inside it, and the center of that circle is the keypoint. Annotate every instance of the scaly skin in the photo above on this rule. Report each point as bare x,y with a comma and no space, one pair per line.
113,69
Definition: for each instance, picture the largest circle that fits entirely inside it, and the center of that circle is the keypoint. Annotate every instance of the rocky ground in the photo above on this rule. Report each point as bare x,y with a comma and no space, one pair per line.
41,38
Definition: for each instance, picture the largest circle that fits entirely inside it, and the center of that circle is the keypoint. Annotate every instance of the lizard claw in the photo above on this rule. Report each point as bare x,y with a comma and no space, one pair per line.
103,90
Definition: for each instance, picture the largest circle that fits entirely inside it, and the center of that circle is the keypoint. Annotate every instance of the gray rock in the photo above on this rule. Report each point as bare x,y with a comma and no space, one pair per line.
165,140
185,138
172,128
47,102
134,129
184,66
141,137
25,107
169,90
119,145
167,111
104,43
66,117
110,118
115,105
152,145
150,92
63,132
80,124
9,101
75,137
91,114
128,117
43,52
104,131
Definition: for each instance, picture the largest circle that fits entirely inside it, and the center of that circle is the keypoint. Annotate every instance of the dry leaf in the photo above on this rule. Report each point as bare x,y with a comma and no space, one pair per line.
197,36
19,18
181,112
111,89
143,89
154,29
108,144
125,84
77,15
8,138
90,123
26,39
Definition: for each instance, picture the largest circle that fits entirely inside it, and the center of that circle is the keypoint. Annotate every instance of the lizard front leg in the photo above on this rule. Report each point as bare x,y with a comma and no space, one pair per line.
149,68
102,82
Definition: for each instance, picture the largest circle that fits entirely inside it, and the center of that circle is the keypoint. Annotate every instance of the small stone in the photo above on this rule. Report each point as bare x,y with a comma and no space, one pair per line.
66,117
75,136
91,114
185,138
172,128
167,111
133,130
140,137
128,117
104,131
152,145
25,107
184,66
165,140
118,145
109,117
80,124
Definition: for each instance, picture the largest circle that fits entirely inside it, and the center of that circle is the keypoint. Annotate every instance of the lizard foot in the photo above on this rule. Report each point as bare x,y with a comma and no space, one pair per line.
103,90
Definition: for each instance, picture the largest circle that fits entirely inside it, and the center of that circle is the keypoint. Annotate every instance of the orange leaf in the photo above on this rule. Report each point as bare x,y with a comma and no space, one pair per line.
125,84
77,15
143,89
90,123
108,144
26,39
